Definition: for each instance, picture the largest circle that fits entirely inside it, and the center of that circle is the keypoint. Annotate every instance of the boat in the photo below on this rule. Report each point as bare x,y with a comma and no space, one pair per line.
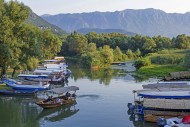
165,94
61,99
45,78
164,100
33,77
154,115
174,121
12,92
173,84
29,86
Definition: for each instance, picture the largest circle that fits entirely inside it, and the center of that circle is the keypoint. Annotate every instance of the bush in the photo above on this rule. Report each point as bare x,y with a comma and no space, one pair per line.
142,62
167,59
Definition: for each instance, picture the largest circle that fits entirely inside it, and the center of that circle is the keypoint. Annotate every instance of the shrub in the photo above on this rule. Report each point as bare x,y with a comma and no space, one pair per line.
142,62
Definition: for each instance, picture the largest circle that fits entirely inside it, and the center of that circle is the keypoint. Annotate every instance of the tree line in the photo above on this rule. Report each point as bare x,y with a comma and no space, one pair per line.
102,49
23,45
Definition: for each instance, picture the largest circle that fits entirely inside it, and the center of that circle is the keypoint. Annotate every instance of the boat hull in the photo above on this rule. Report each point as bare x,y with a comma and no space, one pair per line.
53,104
29,87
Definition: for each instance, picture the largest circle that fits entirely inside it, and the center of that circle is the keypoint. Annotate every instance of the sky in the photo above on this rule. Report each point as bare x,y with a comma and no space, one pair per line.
53,7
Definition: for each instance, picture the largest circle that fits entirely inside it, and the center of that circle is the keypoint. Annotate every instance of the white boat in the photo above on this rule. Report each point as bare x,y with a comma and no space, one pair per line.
46,78
174,122
165,100
30,86
33,77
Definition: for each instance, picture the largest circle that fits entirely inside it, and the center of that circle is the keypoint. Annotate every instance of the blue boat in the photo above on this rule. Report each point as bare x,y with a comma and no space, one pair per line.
29,86
165,94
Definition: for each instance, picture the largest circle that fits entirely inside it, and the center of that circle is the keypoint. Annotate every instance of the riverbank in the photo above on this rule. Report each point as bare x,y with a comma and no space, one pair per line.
159,71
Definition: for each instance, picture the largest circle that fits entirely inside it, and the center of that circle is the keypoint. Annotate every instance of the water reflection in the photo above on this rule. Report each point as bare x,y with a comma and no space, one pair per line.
104,75
138,121
58,114
18,112
89,96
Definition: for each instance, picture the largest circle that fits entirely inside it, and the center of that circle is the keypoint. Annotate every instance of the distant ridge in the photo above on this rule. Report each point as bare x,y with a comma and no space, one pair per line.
149,22
43,24
99,31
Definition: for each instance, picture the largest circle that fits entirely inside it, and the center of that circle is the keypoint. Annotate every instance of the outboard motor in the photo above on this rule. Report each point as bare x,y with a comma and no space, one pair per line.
129,104
161,121
131,108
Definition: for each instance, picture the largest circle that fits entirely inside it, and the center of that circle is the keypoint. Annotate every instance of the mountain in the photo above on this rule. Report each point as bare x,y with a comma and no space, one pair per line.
149,22
99,31
43,24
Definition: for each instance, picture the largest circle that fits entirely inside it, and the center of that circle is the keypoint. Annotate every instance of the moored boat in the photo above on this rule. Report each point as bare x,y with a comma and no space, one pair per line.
62,99
30,86
174,121
43,78
165,94
163,100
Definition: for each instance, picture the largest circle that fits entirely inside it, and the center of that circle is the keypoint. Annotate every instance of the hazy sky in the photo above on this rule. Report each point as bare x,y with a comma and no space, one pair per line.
77,6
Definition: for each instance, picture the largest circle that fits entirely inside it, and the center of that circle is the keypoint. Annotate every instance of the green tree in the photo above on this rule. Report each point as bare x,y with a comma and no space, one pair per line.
142,62
182,41
149,45
117,54
106,54
13,15
138,53
51,44
129,54
91,59
91,47
77,43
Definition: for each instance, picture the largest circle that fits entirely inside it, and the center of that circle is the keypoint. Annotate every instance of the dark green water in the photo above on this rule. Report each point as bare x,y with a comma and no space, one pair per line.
101,102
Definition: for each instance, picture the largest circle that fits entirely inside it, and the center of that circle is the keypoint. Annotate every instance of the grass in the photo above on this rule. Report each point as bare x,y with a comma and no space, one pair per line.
159,70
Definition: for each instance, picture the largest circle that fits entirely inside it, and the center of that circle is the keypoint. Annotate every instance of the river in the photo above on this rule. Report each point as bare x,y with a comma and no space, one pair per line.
101,102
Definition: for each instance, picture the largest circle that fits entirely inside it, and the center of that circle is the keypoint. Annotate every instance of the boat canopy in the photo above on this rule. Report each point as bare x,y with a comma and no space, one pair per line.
165,94
62,90
32,76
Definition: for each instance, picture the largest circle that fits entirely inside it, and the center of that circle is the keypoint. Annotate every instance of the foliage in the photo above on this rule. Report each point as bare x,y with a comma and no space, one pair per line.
91,59
187,59
106,53
137,53
168,57
76,44
51,44
130,54
32,63
21,44
118,55
159,70
182,41
142,62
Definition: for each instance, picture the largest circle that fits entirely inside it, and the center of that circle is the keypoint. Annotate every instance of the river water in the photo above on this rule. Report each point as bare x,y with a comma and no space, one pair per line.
101,102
